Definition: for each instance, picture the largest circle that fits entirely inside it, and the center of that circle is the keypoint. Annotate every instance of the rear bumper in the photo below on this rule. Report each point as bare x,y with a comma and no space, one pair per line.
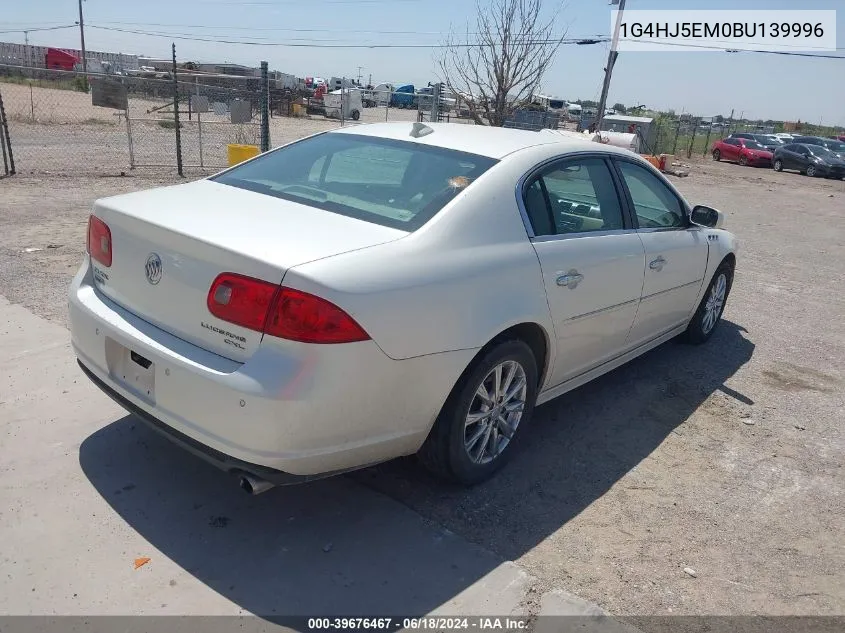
291,410
221,460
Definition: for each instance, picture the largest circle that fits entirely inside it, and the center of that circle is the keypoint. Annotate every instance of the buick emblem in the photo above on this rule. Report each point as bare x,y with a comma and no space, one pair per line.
153,268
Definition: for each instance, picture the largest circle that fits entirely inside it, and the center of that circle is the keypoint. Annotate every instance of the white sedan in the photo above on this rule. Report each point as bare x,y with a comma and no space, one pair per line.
385,290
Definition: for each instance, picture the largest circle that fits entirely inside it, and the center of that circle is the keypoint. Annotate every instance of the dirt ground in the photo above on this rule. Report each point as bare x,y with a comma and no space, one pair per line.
725,458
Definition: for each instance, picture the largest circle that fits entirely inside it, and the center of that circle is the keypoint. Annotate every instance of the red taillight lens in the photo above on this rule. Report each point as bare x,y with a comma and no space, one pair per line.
283,312
303,317
241,300
99,240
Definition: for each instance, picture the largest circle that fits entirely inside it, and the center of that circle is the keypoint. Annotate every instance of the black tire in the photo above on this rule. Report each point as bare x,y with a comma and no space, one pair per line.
356,115
444,452
743,160
811,171
778,165
697,332
717,155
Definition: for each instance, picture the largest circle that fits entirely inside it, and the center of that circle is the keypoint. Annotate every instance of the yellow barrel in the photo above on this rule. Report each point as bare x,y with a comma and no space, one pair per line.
240,153
298,110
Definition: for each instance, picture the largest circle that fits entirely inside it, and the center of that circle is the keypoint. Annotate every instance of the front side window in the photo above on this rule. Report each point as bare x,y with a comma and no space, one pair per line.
655,205
394,183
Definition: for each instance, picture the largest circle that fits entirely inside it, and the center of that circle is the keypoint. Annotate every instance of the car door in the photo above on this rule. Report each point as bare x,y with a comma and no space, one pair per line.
789,157
592,259
731,151
676,252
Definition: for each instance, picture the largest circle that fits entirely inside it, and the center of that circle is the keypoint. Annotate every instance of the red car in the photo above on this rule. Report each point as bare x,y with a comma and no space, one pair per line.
743,151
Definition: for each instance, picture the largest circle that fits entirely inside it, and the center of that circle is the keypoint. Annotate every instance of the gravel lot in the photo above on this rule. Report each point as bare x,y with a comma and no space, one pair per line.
725,458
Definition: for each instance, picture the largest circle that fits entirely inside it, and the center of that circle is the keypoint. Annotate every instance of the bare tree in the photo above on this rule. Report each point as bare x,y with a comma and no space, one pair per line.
498,65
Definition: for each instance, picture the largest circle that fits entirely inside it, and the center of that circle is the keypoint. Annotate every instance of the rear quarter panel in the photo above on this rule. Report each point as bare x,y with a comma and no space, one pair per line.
454,284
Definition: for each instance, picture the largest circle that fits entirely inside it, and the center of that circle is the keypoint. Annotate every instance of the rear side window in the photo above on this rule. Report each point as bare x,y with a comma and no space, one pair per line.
573,196
398,184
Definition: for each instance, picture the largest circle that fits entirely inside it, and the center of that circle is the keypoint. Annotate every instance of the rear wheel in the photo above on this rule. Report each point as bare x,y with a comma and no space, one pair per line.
484,416
778,165
811,171
717,155
743,160
709,313
356,115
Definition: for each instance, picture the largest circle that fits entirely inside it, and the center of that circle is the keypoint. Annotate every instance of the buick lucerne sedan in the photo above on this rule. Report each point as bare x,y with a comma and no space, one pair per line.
387,290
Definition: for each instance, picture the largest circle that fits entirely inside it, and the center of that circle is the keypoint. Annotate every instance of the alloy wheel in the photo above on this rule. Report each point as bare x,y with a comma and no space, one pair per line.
495,412
715,302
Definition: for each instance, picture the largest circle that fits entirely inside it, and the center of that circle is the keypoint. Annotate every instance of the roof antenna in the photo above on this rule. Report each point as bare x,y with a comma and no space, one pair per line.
420,129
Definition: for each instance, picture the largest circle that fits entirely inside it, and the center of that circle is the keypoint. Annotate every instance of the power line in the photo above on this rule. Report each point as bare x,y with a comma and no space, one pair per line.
274,28
275,3
44,28
253,42
738,50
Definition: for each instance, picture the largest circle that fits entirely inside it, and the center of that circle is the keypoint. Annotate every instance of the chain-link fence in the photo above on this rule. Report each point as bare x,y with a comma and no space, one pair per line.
55,126
167,118
689,135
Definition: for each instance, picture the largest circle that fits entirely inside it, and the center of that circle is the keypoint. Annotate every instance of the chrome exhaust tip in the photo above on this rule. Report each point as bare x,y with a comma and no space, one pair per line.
254,485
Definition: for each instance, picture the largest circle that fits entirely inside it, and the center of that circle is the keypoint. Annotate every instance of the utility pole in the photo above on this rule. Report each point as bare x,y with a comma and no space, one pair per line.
82,42
28,52
359,75
611,60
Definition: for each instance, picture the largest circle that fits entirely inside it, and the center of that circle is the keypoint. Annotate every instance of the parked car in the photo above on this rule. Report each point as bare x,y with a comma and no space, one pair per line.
837,147
812,160
385,290
769,141
743,151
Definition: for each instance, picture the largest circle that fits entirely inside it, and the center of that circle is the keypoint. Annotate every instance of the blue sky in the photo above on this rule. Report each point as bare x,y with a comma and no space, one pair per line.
705,83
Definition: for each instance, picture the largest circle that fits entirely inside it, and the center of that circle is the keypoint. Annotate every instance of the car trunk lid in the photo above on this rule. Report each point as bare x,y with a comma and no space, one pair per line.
169,244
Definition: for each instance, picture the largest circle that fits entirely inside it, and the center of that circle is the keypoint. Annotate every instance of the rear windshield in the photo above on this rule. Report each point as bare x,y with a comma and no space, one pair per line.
398,184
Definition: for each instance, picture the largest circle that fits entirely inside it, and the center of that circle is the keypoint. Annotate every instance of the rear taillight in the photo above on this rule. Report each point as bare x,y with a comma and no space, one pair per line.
241,300
99,240
278,311
300,316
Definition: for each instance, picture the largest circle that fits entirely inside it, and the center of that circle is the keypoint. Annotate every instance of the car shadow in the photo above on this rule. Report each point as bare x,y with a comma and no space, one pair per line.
334,547
580,445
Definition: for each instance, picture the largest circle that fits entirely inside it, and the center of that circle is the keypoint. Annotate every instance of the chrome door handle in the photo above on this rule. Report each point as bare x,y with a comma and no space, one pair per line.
657,264
570,279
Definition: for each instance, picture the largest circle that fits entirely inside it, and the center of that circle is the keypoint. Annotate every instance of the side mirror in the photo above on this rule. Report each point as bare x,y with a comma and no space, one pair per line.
707,217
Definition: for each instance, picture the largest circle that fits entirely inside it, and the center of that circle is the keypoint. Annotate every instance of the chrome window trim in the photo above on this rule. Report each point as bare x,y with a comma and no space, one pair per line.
568,236
523,212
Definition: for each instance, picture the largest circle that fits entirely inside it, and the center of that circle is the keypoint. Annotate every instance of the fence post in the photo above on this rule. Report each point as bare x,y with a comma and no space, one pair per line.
692,138
265,111
730,122
677,133
6,140
707,140
129,138
176,115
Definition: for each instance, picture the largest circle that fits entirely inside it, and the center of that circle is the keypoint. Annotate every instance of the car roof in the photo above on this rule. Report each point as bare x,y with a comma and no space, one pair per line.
484,140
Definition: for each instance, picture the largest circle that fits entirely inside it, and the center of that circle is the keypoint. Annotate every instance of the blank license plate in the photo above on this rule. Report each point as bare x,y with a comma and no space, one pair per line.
132,370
